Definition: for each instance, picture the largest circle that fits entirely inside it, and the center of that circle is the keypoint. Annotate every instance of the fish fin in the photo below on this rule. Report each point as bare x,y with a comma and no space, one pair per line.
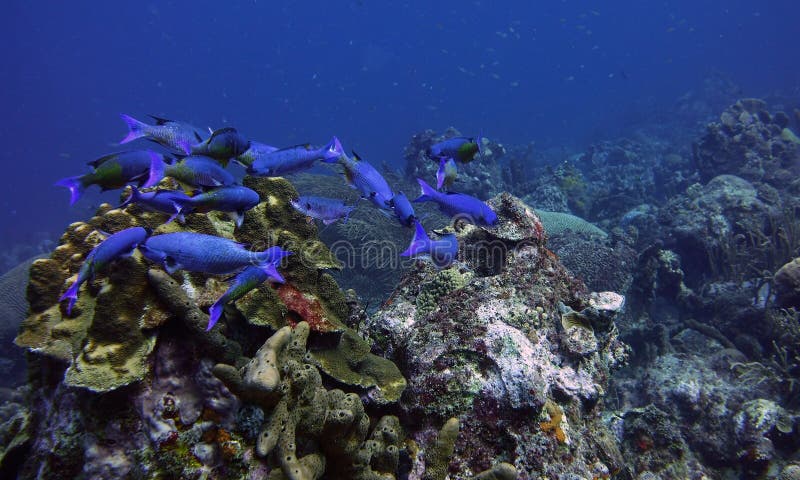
238,217
157,170
175,215
75,186
333,151
96,163
355,155
215,312
441,174
420,242
428,192
307,146
272,271
72,295
347,215
198,137
170,265
186,147
136,129
160,120
220,131
131,197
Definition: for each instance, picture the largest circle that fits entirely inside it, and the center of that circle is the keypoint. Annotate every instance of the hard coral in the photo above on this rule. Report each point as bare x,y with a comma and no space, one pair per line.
303,410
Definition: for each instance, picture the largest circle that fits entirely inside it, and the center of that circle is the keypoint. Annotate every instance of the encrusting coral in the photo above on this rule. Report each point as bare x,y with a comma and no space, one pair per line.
283,378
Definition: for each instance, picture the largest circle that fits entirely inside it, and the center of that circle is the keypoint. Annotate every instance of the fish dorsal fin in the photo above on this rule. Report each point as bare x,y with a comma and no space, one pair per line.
307,146
221,131
355,155
224,130
160,120
96,163
198,137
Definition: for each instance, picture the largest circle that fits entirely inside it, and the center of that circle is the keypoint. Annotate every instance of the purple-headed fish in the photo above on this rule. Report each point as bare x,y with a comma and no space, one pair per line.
459,205
363,177
114,171
447,173
460,149
233,198
326,209
198,252
294,159
222,145
257,150
118,245
403,210
248,279
176,136
163,201
450,151
195,171
442,251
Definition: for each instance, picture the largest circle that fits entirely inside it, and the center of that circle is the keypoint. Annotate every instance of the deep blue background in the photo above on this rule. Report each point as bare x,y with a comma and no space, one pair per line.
290,72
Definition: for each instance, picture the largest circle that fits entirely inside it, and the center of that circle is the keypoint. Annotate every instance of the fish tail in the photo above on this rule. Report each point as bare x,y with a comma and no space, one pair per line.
428,192
76,186
157,170
215,312
272,255
420,242
136,129
333,151
133,197
72,295
271,270
441,173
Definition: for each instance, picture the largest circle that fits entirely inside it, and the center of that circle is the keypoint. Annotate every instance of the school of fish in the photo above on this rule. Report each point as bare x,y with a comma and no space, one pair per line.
198,161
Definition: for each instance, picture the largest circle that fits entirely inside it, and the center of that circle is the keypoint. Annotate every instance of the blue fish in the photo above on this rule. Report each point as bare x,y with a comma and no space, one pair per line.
447,173
459,205
118,245
233,198
326,209
461,149
442,251
403,210
114,171
222,145
163,201
198,252
195,170
257,150
248,279
363,177
176,136
294,159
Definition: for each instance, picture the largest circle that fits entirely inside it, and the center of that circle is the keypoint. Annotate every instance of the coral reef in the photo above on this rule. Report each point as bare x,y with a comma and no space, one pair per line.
728,227
280,378
149,406
488,352
749,142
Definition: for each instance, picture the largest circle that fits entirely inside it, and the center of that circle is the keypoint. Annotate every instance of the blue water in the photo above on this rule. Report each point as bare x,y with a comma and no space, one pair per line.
556,72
